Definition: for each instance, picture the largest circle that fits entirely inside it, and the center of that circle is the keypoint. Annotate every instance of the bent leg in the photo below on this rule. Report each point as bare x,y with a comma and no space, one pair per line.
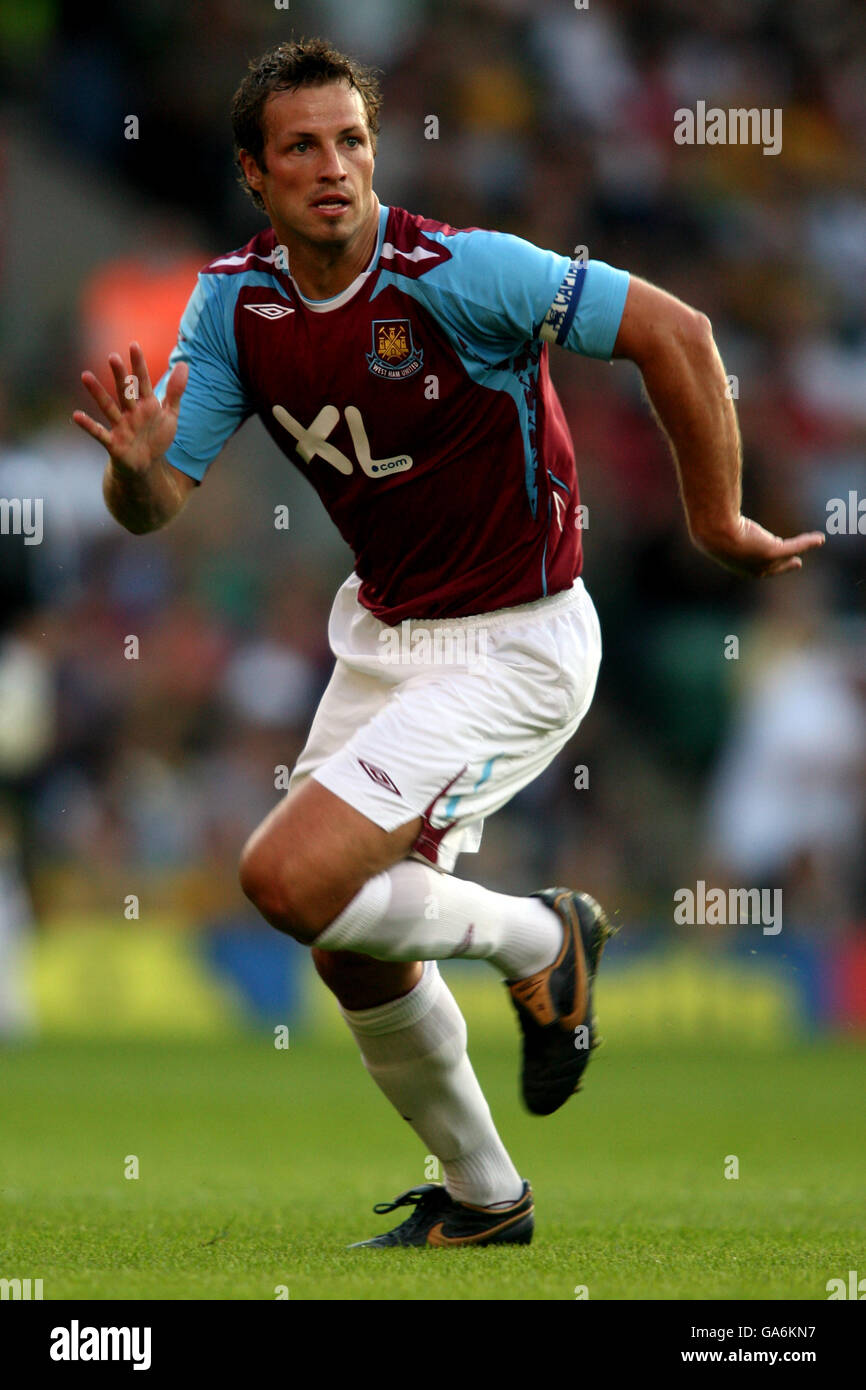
411,913
311,861
310,857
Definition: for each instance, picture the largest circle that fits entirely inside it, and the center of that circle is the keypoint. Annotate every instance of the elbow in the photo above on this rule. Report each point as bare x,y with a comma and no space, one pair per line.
703,330
656,325
674,341
690,347
693,332
133,522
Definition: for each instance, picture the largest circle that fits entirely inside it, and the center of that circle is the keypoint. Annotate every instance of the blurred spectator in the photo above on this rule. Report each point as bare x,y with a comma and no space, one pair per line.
788,803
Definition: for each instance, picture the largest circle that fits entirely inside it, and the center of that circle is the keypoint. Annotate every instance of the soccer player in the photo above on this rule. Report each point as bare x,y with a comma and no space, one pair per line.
401,365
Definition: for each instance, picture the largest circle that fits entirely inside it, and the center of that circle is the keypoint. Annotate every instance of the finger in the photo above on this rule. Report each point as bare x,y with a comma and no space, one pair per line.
809,540
92,427
118,371
176,385
106,403
139,367
782,567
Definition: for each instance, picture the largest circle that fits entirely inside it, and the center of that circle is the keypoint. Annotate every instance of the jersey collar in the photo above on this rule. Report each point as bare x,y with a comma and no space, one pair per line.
326,306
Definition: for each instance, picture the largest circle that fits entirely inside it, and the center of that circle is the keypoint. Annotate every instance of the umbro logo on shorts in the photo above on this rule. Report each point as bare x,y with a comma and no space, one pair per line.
269,311
379,776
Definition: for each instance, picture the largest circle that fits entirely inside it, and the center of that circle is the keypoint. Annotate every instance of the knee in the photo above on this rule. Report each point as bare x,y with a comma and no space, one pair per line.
268,883
253,873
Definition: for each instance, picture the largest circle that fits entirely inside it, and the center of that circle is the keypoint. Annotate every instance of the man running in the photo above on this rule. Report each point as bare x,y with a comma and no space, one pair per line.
401,365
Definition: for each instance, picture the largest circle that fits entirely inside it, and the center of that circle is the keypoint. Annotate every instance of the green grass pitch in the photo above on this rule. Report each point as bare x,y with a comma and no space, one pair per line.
257,1166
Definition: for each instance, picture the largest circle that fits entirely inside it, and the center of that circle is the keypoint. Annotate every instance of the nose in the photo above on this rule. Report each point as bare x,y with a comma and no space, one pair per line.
330,166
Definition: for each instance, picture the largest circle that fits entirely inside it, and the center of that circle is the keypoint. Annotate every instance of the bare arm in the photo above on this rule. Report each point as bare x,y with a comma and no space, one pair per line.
141,488
145,502
687,387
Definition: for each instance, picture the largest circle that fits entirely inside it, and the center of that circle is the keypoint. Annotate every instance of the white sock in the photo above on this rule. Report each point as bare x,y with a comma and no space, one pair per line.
411,912
415,1050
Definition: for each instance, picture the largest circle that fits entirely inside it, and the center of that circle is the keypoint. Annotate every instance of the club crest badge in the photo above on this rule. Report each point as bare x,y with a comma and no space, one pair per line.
394,353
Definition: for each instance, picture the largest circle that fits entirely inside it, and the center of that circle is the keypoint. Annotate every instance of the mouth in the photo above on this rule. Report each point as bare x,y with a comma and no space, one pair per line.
331,204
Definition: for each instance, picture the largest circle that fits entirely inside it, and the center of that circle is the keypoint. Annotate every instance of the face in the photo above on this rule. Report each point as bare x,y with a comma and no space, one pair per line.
317,180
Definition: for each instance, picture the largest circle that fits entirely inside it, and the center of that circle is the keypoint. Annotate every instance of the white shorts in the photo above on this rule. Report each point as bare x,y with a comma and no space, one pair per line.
448,719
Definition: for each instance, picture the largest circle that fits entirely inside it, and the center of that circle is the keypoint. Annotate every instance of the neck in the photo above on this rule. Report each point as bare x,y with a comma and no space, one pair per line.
319,271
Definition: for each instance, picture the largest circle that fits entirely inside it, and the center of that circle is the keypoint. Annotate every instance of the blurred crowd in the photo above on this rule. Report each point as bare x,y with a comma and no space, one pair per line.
144,775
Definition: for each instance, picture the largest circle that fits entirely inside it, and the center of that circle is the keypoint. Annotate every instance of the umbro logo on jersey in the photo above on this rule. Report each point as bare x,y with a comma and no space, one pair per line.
378,776
269,311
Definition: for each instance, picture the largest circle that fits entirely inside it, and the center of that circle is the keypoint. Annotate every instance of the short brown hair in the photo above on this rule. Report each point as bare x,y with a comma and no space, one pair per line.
293,64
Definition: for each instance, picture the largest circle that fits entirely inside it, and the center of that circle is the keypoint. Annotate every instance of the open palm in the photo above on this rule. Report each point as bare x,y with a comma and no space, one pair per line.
141,426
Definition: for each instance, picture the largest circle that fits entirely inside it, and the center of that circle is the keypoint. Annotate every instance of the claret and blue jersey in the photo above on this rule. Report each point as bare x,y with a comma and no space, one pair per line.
418,402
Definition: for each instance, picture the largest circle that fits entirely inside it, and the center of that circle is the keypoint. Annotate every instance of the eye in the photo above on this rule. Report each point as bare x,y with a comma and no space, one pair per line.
301,145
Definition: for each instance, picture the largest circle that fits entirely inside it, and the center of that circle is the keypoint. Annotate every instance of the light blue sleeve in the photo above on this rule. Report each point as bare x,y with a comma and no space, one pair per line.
215,403
498,291
587,310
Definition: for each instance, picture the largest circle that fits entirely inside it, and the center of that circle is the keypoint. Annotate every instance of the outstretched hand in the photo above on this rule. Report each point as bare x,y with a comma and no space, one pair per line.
751,550
142,426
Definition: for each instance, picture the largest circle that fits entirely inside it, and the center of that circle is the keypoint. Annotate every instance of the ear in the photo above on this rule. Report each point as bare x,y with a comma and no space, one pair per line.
252,172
